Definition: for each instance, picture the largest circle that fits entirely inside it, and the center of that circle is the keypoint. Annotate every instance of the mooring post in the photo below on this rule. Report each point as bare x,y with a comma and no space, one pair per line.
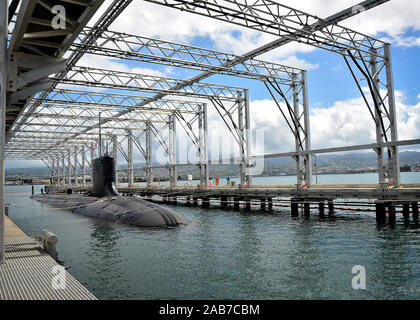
295,208
322,209
380,213
406,211
330,208
33,190
415,207
236,203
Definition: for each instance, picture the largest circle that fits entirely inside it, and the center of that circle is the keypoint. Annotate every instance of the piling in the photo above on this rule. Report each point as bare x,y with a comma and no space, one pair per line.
307,209
330,208
195,201
263,204
205,202
33,190
236,203
270,203
391,214
406,211
415,207
248,205
322,209
188,200
380,213
295,208
224,201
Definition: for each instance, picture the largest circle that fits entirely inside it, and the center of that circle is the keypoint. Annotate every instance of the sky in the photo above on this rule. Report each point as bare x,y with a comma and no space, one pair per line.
338,114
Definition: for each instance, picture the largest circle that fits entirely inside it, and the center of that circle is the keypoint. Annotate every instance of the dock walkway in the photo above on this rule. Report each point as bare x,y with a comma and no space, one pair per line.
29,273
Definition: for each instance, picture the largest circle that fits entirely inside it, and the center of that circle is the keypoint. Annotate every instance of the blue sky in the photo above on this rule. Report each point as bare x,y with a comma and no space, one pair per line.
333,96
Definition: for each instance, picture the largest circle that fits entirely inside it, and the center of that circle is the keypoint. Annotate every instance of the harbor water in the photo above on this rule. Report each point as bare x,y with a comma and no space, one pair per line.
225,254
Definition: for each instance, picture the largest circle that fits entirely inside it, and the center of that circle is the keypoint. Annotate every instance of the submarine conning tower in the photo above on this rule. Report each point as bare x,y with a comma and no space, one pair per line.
103,177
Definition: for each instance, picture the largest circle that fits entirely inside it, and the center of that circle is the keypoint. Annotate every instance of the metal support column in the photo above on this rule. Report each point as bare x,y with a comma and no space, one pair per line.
308,143
130,158
76,164
3,85
83,166
204,167
52,181
247,139
394,165
115,156
69,167
296,131
63,168
378,119
92,157
172,151
242,151
149,154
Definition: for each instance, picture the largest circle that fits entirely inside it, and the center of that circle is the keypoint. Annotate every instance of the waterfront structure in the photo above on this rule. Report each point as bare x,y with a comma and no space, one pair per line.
61,126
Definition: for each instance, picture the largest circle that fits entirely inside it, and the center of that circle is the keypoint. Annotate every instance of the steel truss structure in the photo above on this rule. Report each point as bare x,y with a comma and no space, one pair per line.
45,114
371,57
59,120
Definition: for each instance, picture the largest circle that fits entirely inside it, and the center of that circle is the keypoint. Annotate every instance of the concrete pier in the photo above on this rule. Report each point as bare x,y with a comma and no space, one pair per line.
31,274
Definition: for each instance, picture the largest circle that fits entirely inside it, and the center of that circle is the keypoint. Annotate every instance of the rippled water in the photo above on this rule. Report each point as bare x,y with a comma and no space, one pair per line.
224,254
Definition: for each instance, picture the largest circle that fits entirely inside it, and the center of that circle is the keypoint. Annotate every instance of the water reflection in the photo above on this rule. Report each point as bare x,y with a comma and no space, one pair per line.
306,266
392,272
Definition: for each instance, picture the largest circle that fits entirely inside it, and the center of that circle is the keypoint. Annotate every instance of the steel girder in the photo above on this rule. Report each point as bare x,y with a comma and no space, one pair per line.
102,78
133,47
291,24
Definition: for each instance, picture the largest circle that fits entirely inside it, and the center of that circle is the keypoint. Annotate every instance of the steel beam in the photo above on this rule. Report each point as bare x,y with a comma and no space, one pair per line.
4,7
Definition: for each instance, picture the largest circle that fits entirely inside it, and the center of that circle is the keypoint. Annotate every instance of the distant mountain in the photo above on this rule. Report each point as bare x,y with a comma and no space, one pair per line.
325,163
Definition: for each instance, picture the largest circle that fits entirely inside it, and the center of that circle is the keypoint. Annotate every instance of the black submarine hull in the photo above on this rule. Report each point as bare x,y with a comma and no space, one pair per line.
118,209
104,202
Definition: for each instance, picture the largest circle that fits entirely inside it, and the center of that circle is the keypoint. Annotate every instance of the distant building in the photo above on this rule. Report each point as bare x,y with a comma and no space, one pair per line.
415,167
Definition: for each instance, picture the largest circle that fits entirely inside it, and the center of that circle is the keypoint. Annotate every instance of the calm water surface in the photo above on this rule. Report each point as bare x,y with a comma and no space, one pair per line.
224,254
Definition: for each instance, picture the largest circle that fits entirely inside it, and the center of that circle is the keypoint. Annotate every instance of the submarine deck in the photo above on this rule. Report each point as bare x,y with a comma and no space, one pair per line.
28,271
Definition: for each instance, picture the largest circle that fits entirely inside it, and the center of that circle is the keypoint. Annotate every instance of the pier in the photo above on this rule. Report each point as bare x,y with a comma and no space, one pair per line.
384,200
29,273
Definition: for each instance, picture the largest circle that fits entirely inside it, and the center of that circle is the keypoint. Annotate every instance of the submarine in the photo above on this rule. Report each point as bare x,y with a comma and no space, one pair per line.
104,202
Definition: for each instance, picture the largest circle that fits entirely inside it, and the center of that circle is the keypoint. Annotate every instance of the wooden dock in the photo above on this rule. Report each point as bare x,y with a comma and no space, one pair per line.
29,273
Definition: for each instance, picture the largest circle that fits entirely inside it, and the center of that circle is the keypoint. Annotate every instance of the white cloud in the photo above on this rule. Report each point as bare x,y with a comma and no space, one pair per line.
345,123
